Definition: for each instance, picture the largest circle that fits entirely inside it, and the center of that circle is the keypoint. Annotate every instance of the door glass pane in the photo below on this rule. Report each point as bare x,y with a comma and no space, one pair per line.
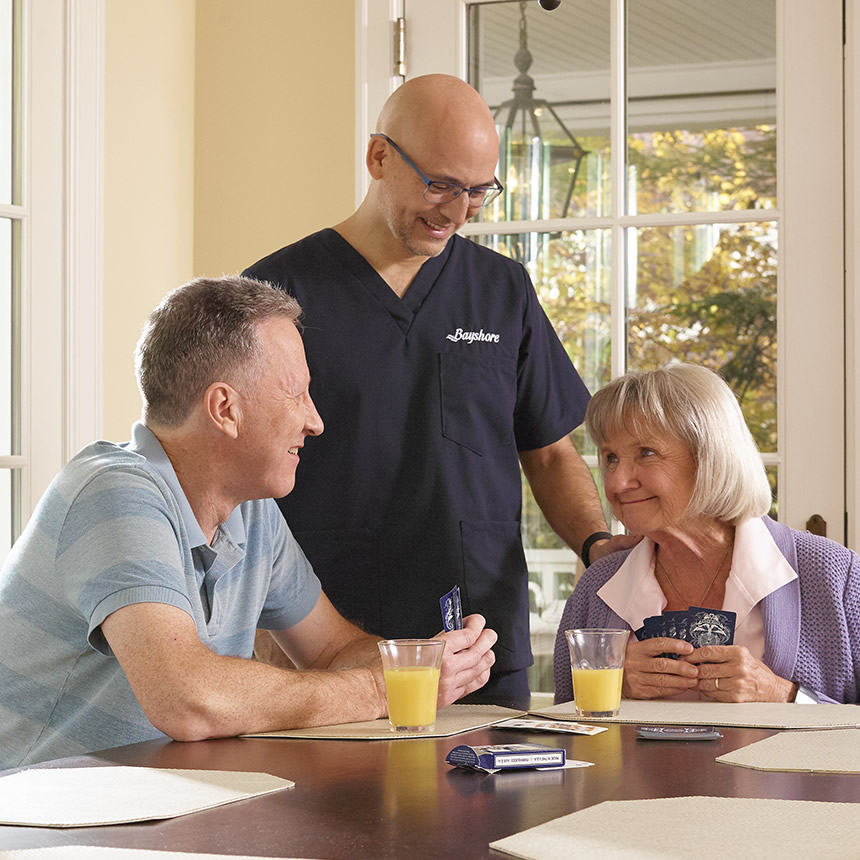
571,273
7,84
546,78
707,294
773,478
701,109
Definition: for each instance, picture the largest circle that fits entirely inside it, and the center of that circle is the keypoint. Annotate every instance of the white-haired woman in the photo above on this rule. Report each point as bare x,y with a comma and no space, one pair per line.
681,469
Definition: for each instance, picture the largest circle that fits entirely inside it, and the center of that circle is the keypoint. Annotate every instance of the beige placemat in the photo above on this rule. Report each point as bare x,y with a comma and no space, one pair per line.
87,796
449,721
704,828
92,852
833,751
764,715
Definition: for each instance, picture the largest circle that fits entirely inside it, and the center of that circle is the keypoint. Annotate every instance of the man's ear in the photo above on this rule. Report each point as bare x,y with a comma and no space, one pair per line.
377,152
223,409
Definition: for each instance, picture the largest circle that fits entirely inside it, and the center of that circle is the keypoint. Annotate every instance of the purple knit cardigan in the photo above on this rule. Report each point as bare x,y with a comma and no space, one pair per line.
811,625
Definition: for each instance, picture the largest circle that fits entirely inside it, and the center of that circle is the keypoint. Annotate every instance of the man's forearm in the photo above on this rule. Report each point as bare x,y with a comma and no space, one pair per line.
360,652
191,693
250,696
233,696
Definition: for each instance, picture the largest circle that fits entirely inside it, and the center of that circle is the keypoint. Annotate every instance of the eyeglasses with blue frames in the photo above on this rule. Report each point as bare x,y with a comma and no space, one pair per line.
436,191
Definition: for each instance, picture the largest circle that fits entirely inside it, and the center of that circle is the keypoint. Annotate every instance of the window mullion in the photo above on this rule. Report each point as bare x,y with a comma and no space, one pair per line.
618,173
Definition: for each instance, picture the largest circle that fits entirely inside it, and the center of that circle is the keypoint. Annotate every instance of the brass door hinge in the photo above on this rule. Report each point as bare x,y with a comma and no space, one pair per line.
400,47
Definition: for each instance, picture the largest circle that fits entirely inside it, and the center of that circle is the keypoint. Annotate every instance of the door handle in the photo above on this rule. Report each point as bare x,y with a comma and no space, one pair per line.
817,525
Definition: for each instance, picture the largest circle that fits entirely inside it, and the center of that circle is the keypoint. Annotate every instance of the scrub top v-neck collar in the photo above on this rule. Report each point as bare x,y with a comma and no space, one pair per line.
402,310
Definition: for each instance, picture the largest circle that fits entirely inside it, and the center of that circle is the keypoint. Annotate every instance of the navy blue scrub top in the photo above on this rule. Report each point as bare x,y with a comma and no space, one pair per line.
415,483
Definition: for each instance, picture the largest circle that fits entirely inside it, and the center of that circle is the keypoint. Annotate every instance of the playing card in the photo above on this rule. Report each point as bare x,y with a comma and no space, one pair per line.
651,625
677,624
452,613
669,625
711,627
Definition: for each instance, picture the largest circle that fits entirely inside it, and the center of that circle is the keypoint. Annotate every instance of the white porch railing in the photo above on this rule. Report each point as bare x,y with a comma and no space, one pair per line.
552,574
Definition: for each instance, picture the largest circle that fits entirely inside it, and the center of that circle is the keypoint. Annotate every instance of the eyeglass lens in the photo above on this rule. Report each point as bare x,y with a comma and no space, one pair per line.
443,192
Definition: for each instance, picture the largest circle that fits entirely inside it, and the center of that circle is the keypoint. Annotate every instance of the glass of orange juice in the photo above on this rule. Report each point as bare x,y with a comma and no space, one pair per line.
597,666
411,668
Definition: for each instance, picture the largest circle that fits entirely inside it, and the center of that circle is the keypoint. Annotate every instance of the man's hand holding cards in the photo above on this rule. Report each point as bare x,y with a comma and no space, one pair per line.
468,651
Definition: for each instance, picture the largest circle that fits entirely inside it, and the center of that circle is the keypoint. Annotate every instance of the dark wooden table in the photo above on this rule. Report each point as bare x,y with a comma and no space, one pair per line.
398,799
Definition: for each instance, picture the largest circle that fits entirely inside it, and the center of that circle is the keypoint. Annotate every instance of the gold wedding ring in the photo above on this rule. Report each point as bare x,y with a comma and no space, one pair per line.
716,683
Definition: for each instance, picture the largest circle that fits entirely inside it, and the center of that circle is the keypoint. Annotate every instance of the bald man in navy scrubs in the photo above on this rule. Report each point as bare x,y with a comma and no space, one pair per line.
437,373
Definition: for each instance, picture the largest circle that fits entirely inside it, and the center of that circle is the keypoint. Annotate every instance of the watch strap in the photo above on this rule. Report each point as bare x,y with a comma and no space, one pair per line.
585,553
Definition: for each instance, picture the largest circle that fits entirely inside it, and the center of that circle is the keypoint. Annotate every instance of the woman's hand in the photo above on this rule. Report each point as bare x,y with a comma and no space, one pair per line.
729,673
647,675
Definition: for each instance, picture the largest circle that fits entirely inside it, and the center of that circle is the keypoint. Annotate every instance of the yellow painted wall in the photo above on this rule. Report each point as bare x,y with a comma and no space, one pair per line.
148,180
275,125
229,132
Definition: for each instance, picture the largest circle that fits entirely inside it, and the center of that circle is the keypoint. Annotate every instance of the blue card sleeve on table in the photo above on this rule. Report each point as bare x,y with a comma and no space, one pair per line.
505,756
677,733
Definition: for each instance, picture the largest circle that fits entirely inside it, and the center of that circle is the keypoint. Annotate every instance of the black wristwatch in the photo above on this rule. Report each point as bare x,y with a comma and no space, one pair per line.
585,553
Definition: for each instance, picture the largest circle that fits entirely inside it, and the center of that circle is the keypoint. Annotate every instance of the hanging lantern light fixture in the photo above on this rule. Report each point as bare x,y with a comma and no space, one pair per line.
534,145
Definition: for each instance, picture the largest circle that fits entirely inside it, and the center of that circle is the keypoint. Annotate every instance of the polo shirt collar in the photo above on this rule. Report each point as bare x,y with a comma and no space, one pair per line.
145,442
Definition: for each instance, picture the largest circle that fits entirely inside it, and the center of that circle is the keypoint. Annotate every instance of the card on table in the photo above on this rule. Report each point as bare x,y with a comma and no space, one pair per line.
677,733
564,726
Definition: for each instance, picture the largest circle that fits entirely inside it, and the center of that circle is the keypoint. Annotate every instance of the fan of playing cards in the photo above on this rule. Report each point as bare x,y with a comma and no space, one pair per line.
696,625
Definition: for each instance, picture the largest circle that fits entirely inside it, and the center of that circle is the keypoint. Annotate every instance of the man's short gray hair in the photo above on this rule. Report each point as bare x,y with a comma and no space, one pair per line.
693,404
203,332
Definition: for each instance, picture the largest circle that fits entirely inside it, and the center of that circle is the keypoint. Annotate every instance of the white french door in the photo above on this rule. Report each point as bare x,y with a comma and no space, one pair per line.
706,219
805,83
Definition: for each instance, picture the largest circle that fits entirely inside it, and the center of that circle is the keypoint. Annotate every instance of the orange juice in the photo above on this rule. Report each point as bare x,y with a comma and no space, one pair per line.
411,693
597,690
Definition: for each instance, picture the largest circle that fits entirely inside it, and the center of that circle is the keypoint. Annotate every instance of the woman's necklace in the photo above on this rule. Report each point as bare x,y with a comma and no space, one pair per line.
710,585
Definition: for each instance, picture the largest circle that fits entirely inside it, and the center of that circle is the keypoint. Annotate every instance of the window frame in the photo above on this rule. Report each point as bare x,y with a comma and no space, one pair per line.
61,238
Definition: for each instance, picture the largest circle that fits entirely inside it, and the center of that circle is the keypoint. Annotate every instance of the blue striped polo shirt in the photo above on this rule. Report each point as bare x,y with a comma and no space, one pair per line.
114,529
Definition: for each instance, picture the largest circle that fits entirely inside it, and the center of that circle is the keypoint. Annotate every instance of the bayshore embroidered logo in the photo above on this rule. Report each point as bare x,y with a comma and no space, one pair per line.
471,336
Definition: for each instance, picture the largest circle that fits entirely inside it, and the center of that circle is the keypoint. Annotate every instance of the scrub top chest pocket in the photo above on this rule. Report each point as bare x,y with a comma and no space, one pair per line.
479,394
